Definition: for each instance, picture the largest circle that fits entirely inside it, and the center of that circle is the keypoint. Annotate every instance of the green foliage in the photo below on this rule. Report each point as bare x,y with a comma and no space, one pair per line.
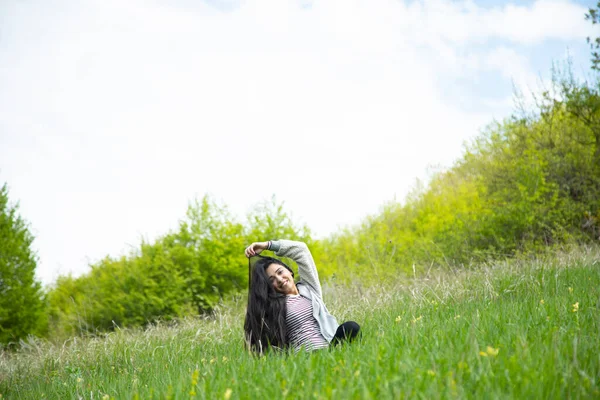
208,253
22,309
128,291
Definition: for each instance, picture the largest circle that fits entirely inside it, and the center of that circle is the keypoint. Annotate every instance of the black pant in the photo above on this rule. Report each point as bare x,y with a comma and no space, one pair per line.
346,332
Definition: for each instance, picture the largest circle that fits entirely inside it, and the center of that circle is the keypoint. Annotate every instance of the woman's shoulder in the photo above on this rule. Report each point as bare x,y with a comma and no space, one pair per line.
304,289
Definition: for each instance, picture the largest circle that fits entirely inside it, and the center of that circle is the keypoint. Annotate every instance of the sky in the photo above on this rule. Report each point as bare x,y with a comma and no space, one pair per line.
115,115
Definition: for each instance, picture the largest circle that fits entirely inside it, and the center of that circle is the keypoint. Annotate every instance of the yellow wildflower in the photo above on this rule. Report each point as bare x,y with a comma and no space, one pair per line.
227,394
542,301
457,317
79,380
570,289
357,373
398,318
225,359
576,307
492,351
195,376
106,397
483,354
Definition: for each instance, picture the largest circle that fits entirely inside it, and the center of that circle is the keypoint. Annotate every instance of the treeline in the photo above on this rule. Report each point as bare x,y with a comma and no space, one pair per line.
185,272
529,182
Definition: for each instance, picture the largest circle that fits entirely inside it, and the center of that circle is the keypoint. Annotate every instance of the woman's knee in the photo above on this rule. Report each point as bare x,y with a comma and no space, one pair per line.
351,328
347,331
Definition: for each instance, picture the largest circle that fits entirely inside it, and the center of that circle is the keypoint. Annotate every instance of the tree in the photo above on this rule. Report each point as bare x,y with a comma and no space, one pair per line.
207,252
22,310
593,15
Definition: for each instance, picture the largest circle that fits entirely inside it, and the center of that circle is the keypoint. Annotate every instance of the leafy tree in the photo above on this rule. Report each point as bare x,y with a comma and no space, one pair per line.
207,251
22,310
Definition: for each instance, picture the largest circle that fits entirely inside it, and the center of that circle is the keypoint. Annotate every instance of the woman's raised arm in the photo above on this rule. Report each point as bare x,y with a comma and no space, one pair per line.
299,252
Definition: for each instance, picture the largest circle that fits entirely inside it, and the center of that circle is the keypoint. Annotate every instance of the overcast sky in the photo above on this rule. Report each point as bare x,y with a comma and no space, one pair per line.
115,114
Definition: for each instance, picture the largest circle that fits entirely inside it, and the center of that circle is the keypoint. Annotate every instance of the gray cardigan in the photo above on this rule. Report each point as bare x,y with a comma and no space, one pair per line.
308,284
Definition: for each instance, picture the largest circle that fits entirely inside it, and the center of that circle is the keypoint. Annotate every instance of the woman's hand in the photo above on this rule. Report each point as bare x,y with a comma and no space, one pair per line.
256,248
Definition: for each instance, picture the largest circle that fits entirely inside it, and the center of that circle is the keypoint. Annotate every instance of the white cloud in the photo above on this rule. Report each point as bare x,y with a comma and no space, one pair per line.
115,114
464,23
511,65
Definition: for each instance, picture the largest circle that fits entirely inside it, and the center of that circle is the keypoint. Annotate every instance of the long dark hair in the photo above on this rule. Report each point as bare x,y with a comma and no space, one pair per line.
265,315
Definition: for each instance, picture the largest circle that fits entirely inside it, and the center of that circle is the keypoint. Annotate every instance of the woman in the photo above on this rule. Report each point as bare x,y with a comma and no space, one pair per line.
284,314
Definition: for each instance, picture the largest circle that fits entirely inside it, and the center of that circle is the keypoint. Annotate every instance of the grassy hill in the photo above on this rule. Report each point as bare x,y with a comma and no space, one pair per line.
517,329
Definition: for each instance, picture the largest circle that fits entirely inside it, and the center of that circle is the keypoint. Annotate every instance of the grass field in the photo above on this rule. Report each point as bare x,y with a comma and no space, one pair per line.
518,329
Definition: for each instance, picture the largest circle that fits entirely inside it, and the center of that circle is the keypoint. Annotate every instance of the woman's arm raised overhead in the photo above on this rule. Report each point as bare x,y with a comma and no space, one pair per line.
299,252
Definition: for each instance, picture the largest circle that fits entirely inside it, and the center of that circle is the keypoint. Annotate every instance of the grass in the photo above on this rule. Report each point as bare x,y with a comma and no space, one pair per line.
517,329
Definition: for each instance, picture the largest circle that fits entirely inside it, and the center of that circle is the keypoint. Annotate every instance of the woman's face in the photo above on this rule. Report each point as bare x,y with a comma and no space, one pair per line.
281,279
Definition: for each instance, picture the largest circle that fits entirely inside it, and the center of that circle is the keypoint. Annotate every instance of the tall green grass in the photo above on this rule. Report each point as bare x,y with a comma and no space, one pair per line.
516,329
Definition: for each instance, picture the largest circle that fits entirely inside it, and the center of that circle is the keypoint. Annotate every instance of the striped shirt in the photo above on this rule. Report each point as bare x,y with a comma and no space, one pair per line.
303,329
